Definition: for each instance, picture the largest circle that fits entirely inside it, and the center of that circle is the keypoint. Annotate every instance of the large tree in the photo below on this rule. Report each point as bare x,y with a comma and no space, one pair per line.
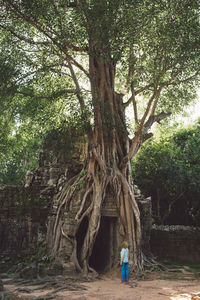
106,55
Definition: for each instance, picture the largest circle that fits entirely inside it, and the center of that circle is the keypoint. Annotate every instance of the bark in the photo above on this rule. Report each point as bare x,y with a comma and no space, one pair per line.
108,145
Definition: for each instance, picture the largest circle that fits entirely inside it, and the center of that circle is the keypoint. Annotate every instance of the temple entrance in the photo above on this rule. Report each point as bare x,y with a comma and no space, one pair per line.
105,250
80,235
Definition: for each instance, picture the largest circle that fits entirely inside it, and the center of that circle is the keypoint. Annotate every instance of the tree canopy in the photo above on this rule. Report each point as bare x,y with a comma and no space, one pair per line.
45,45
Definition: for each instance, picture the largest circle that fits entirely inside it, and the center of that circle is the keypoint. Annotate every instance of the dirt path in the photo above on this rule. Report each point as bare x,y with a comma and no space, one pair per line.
110,288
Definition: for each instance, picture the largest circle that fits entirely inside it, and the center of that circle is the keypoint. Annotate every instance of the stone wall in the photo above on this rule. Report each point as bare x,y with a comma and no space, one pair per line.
176,242
24,209
21,230
146,222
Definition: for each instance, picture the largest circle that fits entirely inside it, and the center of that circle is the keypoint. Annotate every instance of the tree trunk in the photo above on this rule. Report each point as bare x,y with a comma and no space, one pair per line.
103,173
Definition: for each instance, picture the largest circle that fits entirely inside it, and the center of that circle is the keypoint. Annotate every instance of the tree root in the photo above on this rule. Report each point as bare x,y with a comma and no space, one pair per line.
58,284
151,265
91,188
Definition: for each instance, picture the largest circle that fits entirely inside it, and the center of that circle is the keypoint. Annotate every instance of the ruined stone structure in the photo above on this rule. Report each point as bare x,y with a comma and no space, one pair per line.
25,211
22,221
176,242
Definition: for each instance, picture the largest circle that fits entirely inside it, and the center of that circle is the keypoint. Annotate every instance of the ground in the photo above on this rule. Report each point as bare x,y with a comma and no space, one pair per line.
112,289
109,287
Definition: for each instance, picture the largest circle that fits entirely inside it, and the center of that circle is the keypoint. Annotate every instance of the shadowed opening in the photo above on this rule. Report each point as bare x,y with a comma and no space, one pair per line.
80,235
105,246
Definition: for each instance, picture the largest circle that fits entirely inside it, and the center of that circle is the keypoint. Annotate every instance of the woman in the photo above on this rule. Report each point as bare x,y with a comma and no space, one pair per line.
124,262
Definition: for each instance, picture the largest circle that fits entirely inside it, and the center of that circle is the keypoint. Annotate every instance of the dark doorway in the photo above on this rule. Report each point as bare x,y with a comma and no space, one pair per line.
80,235
105,246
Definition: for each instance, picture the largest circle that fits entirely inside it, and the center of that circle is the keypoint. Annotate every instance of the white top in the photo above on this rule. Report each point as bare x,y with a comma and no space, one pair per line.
124,255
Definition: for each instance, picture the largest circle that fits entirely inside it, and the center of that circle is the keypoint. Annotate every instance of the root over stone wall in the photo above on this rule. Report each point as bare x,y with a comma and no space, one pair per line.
25,210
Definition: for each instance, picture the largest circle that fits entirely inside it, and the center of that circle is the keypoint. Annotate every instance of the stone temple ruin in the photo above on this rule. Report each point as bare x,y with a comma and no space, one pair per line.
25,210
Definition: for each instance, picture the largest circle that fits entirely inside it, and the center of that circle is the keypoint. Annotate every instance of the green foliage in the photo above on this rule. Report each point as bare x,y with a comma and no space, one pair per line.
21,139
83,172
169,171
46,76
41,37
171,264
19,152
39,256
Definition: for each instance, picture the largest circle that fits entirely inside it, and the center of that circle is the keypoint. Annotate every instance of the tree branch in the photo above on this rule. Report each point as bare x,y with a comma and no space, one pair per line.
137,141
147,109
152,119
134,142
78,90
140,90
74,62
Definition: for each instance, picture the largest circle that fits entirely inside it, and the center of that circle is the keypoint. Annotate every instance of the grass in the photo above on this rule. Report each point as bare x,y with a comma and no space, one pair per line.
187,266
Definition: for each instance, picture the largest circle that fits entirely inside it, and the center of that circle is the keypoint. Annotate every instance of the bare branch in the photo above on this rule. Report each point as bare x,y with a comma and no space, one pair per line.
155,101
75,63
78,89
135,141
152,119
140,90
147,109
